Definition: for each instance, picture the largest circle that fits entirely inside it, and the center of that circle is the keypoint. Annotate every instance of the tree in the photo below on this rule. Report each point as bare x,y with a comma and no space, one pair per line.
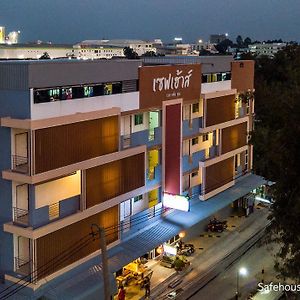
247,41
223,46
204,52
277,142
149,54
239,41
45,56
129,53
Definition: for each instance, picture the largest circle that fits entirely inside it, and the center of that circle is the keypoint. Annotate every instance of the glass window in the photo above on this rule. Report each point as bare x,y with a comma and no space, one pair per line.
138,119
107,88
41,96
205,137
54,94
138,198
219,76
195,107
88,91
117,88
78,92
98,90
195,141
66,93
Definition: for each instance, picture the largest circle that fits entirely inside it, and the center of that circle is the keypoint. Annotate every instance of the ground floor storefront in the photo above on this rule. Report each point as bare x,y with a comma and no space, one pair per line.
152,264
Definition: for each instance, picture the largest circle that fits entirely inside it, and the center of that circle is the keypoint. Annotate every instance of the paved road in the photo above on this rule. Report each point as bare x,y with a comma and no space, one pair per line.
223,287
213,261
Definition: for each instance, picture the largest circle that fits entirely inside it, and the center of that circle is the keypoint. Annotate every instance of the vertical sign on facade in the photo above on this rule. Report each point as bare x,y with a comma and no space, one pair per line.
172,147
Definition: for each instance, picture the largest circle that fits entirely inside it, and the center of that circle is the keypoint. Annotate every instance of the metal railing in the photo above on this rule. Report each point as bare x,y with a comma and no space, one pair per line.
126,141
21,216
23,266
54,211
20,164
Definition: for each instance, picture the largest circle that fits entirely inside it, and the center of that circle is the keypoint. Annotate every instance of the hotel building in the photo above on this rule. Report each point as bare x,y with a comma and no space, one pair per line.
104,142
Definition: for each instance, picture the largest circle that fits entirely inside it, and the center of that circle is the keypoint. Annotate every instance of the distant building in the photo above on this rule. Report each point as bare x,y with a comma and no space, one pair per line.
35,51
81,51
217,38
268,49
95,50
139,46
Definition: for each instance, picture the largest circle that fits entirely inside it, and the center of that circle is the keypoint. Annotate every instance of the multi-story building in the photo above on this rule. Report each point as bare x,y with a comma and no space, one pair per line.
106,143
267,49
139,46
81,51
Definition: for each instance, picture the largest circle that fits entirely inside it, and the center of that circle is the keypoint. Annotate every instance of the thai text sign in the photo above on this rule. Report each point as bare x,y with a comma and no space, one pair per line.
160,83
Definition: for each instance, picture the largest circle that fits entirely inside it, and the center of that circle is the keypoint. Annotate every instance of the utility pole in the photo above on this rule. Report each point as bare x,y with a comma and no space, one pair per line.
102,239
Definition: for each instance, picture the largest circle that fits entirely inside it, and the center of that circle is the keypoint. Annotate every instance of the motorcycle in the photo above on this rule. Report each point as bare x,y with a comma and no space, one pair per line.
216,225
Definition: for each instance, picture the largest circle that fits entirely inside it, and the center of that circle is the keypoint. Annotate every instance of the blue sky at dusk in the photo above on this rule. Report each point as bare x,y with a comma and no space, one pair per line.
65,21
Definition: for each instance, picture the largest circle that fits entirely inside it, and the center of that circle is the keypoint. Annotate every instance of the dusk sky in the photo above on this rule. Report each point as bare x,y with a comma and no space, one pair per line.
66,21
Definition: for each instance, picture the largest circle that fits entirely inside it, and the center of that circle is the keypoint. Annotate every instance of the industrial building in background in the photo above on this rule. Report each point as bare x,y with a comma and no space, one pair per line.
118,144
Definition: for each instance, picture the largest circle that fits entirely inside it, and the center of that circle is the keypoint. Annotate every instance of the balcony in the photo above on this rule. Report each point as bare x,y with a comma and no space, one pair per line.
154,178
23,266
20,164
21,216
142,138
218,86
213,151
190,162
191,127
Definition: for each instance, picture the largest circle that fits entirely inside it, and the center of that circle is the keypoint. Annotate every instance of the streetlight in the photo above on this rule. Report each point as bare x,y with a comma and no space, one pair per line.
243,272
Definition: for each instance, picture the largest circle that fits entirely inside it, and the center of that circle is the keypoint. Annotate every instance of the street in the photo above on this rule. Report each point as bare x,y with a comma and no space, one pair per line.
224,286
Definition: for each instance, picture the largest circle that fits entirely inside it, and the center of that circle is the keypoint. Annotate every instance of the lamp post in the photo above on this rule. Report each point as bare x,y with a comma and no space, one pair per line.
243,272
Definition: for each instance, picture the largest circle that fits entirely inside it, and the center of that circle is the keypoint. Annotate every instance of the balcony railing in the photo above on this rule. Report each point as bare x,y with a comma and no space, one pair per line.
23,266
21,216
20,164
126,141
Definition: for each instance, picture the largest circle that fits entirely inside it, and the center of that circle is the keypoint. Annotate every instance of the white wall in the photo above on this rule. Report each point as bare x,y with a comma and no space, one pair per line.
34,53
53,191
125,125
140,205
126,101
215,86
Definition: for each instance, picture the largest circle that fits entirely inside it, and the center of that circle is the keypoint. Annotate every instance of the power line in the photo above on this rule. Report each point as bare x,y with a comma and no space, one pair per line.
68,253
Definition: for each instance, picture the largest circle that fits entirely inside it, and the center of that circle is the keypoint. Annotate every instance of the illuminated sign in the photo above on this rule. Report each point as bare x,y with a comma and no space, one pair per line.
176,202
169,249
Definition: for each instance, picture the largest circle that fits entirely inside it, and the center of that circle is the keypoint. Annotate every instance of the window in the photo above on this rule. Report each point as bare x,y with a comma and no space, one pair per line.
138,119
138,198
195,141
108,89
195,107
194,174
88,91
205,137
54,94
66,93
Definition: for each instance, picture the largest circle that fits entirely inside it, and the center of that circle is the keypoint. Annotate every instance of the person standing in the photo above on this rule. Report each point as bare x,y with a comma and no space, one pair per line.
147,287
121,295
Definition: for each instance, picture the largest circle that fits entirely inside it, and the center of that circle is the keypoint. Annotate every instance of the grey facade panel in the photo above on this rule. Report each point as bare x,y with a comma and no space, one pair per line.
64,73
13,76
209,64
23,75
